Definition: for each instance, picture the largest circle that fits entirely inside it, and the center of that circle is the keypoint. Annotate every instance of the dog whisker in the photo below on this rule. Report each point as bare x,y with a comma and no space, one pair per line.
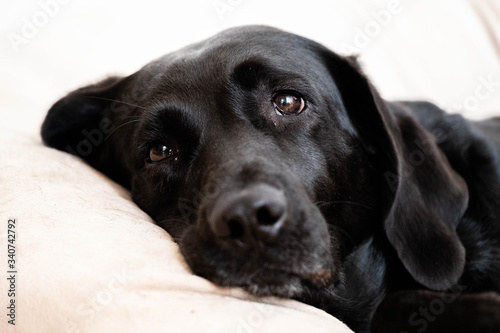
117,101
129,122
325,203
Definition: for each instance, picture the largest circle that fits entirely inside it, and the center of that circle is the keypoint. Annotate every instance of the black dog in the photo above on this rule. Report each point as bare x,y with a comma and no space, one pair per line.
277,167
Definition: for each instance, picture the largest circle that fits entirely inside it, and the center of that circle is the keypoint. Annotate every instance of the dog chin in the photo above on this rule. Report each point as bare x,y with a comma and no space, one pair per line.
281,284
293,287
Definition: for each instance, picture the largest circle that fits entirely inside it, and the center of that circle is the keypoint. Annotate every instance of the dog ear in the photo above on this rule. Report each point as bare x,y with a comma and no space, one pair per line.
426,197
81,122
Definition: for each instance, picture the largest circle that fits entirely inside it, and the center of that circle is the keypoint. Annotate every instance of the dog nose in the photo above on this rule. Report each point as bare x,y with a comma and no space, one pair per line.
255,214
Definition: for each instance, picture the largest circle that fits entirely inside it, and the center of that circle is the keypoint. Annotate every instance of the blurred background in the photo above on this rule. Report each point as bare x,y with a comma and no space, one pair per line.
446,51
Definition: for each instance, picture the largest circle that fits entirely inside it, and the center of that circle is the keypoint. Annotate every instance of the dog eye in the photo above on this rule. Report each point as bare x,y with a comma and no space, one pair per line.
288,104
160,152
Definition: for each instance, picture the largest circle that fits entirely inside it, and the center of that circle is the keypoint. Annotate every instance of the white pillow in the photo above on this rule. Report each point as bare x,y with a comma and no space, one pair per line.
89,260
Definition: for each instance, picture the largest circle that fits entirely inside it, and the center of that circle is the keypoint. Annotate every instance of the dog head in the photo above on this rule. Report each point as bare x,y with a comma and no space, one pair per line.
269,159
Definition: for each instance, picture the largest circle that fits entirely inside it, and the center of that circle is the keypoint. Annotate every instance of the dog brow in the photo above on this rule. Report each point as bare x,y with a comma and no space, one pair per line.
249,73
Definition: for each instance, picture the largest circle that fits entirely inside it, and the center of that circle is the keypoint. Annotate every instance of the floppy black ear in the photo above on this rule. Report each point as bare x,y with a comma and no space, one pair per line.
426,198
81,122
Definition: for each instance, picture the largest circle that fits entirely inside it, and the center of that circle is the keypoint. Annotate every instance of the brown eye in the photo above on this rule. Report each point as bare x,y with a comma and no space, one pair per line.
160,152
288,104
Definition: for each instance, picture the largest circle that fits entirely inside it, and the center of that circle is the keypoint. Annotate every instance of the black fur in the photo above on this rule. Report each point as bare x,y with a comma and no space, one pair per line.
344,205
